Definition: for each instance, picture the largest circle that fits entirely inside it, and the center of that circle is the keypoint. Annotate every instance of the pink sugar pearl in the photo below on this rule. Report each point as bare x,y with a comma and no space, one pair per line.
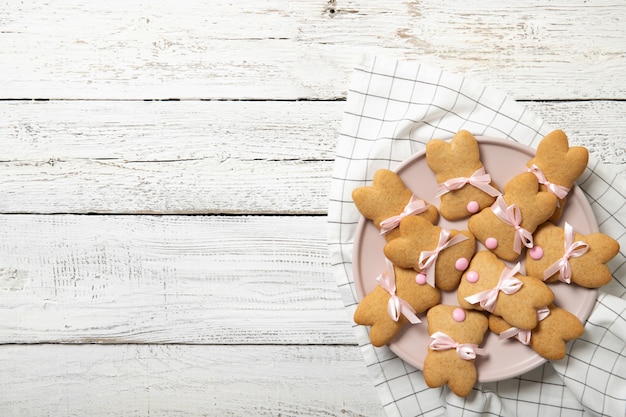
458,314
472,207
420,279
472,276
536,253
491,243
461,264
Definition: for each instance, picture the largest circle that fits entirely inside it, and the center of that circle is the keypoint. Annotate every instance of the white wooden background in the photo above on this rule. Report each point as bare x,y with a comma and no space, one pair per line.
164,174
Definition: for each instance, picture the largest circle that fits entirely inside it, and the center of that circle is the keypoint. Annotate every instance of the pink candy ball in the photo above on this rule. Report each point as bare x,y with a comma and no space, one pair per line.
472,207
458,314
536,253
491,243
420,279
461,264
472,276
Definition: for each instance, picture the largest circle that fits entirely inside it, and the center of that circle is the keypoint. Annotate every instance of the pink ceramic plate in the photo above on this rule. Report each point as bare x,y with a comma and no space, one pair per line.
503,159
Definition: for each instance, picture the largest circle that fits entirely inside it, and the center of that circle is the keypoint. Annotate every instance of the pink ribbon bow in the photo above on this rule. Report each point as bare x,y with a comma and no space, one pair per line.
478,179
524,335
428,258
414,206
396,306
512,215
467,351
507,283
556,189
572,250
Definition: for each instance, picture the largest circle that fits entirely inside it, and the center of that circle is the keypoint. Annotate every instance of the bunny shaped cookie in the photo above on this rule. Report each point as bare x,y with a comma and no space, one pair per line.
548,338
393,303
507,227
455,338
490,285
438,254
464,186
564,255
557,166
388,200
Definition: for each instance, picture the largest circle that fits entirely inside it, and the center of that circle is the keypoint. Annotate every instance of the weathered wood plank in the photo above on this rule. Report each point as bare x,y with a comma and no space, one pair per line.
201,186
174,157
149,131
207,157
600,126
182,380
272,50
168,279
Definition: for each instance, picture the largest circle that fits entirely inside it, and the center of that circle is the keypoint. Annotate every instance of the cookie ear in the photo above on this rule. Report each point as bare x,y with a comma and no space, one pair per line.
464,146
364,198
524,183
549,337
367,198
523,189
372,311
437,153
577,159
385,178
605,247
402,251
448,158
560,163
553,144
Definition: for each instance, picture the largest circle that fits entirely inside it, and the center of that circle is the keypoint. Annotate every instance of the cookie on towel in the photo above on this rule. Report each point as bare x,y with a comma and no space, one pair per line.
507,227
558,166
393,303
489,284
438,254
561,254
464,186
455,336
556,326
387,200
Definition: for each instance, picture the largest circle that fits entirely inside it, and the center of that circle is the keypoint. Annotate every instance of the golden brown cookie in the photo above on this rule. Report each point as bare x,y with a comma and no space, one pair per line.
489,284
455,338
507,227
558,166
464,186
548,338
441,255
561,254
388,200
385,308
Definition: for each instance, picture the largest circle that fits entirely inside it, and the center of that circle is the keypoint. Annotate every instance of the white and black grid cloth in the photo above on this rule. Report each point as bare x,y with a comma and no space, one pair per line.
393,109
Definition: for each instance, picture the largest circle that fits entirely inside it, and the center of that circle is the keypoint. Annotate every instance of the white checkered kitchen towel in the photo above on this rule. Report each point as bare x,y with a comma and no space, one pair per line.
393,109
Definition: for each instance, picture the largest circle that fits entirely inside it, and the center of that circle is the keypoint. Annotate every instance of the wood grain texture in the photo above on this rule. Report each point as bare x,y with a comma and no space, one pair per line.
172,279
208,157
180,380
599,126
178,314
301,49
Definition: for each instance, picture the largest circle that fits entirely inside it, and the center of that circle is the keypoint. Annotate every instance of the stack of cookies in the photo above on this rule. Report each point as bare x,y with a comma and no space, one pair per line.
481,264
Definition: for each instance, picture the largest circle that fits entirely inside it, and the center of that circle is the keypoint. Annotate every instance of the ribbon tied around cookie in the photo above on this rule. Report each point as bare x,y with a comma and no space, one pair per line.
572,250
428,258
466,351
478,179
512,215
396,306
556,189
521,334
414,206
507,283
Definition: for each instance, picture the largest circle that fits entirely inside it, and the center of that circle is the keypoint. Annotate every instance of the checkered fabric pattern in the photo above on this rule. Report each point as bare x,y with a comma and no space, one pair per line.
394,108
